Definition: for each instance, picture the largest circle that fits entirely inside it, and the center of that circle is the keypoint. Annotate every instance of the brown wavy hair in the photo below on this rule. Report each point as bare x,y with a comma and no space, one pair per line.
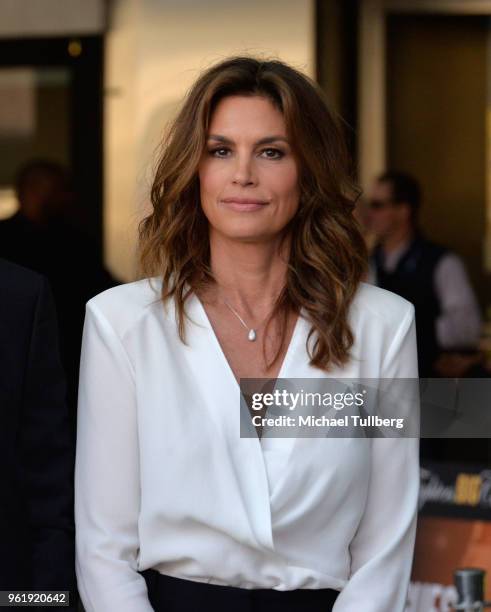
328,254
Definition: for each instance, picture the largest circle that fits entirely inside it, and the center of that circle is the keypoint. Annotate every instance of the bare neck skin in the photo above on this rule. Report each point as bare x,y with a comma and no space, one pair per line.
249,275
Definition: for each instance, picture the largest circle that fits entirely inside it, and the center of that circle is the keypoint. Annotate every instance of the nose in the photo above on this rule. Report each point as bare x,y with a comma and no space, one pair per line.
243,172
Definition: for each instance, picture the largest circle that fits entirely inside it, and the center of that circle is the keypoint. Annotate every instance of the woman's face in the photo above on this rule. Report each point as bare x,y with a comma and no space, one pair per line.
248,174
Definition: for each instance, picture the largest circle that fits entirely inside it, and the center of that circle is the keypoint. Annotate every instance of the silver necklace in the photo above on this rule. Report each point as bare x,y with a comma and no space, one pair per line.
252,333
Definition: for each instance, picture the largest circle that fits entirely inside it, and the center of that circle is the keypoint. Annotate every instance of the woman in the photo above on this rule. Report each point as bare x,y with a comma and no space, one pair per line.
253,253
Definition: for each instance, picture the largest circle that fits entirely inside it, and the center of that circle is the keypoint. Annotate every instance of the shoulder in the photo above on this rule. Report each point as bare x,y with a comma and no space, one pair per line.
9,222
452,261
18,282
452,279
125,304
380,308
25,298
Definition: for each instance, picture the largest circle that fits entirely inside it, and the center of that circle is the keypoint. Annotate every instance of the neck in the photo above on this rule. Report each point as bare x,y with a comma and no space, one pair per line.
396,239
248,275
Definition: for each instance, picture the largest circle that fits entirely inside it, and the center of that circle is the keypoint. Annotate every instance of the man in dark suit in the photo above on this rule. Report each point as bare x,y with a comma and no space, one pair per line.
41,237
36,442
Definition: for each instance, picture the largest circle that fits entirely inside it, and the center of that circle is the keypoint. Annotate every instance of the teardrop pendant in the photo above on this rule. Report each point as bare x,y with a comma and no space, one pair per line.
252,335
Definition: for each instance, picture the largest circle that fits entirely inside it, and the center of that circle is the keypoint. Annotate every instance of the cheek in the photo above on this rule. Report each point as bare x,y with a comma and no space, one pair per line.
380,216
386,221
207,179
379,220
211,184
285,184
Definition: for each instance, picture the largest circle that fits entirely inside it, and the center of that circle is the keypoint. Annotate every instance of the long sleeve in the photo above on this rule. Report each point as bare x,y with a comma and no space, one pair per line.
46,455
459,323
382,548
107,479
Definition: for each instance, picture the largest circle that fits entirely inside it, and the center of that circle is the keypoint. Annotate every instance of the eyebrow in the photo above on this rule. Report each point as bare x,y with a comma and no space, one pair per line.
266,140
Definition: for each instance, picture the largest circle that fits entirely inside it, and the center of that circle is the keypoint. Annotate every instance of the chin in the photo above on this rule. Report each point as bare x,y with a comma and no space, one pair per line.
247,233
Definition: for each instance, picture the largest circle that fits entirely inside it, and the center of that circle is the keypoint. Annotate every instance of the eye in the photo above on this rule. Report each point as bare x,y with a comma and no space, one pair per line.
272,153
219,151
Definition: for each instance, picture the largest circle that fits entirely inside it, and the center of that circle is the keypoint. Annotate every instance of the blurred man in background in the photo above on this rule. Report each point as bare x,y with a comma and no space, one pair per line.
427,274
41,236
36,444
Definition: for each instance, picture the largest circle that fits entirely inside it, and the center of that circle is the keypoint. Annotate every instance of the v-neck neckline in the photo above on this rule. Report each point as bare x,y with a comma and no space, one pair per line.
218,348
222,388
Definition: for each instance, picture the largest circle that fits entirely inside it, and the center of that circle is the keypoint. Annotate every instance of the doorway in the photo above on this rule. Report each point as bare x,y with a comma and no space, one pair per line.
436,75
51,93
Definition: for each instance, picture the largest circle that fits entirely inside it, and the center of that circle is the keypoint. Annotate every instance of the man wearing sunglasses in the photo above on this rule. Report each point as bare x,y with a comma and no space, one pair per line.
427,274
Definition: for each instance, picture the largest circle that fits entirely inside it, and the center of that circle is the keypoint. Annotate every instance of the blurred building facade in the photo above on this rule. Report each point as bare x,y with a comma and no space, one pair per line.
410,79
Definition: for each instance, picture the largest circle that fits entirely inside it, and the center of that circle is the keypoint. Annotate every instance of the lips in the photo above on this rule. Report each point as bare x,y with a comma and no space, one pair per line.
244,204
243,200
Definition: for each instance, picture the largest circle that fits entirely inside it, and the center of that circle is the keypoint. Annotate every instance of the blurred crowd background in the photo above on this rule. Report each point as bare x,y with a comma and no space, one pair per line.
87,87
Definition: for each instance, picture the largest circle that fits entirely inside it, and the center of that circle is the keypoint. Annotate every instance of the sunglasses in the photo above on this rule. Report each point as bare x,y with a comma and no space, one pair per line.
380,204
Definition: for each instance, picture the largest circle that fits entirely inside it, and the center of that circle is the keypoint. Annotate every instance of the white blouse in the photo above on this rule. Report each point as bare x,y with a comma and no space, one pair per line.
163,479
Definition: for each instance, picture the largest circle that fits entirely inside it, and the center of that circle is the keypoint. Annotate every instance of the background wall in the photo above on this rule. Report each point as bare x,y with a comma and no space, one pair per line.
155,49
51,17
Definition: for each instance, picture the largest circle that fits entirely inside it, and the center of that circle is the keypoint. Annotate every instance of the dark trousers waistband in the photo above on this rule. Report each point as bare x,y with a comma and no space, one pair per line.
170,594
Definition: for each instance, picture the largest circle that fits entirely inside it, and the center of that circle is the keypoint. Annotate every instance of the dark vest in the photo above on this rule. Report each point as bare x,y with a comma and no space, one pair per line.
413,279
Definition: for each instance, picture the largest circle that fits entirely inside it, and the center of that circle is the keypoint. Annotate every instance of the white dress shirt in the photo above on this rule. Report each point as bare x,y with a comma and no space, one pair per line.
459,324
163,479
